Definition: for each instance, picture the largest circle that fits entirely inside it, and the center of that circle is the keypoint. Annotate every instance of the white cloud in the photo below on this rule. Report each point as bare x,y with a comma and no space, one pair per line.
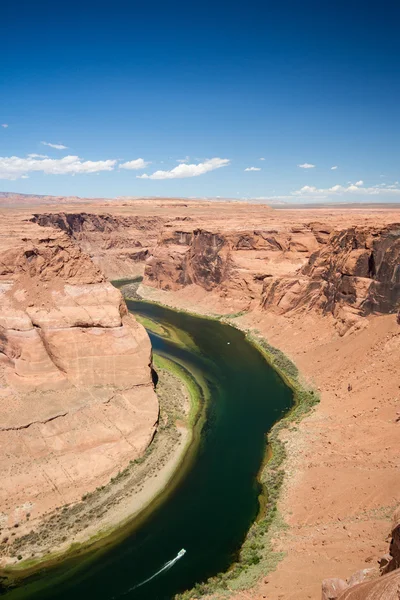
14,167
334,168
253,169
5,125
306,166
56,146
312,192
38,156
262,158
183,160
134,165
360,182
307,189
340,194
184,170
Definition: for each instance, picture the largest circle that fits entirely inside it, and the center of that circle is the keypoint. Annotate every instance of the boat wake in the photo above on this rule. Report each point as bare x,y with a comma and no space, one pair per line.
167,566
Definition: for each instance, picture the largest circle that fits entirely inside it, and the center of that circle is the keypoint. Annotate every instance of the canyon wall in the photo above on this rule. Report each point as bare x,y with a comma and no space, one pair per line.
119,245
229,262
77,401
281,266
348,273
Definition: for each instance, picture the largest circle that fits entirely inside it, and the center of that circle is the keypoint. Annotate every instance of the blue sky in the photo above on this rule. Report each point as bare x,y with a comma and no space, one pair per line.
306,86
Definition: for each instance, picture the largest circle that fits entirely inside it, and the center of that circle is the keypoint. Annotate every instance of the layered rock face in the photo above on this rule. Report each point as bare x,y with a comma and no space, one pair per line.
355,273
118,244
349,273
185,257
229,262
77,401
360,267
284,268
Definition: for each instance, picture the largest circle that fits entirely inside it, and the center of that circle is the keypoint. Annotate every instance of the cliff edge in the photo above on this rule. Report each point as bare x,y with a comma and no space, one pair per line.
77,400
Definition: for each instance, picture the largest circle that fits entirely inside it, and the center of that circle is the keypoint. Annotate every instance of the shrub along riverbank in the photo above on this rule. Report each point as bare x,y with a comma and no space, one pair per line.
257,556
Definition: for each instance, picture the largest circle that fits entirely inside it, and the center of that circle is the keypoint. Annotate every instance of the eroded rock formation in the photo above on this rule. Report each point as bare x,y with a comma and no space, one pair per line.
286,268
118,244
233,263
76,396
349,273
189,257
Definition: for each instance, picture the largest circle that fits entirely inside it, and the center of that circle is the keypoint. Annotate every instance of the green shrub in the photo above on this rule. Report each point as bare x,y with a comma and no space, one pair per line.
257,549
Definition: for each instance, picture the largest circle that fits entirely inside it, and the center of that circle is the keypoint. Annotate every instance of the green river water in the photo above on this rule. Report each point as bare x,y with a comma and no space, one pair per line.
208,507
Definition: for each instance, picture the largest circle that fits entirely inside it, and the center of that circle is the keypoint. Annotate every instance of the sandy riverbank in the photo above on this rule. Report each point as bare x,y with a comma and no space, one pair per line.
105,513
342,477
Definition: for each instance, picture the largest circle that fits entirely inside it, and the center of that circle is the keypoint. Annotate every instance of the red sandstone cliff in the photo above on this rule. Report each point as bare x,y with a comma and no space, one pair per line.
348,273
76,396
118,244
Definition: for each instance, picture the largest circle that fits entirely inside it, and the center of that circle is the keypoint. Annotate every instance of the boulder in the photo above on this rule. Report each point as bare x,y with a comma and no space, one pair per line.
386,587
361,576
332,588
